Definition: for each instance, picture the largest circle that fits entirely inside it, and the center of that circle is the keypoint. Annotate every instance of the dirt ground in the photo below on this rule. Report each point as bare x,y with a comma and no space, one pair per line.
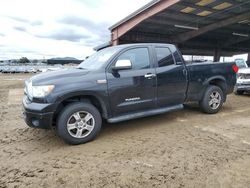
181,149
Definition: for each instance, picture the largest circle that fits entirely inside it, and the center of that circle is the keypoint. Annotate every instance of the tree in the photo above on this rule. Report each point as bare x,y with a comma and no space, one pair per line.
35,61
14,61
44,61
24,60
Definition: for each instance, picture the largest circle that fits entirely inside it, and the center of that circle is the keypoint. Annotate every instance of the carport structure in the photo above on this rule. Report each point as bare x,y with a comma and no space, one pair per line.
198,27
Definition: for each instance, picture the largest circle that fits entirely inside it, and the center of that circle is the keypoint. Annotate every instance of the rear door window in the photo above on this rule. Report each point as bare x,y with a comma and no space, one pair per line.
164,56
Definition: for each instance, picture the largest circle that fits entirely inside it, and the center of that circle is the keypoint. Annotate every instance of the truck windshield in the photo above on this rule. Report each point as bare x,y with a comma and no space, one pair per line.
99,58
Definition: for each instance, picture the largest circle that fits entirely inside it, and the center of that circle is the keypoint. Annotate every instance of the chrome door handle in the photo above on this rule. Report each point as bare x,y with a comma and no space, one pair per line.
185,72
149,76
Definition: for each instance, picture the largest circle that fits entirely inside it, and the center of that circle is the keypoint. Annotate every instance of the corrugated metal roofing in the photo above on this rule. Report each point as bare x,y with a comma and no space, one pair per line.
162,27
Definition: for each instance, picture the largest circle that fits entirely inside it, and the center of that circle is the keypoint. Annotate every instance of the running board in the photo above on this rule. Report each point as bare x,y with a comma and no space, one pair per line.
146,113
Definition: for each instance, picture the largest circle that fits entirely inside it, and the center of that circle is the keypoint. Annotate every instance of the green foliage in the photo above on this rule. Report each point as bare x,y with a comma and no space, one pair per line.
24,60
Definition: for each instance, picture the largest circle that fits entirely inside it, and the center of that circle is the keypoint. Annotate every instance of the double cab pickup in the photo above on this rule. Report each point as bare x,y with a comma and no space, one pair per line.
120,83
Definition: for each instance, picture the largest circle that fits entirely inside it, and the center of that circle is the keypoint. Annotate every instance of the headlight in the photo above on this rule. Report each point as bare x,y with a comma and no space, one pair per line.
38,91
241,76
42,91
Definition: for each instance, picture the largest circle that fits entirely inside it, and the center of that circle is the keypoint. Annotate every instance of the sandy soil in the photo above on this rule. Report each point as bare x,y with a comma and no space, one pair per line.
180,149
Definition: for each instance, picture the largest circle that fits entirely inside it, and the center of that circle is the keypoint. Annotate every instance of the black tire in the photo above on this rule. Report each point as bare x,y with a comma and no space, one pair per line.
239,92
204,103
66,114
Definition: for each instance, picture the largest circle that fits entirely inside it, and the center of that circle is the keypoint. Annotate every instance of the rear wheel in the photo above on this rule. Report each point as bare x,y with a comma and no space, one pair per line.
212,100
79,123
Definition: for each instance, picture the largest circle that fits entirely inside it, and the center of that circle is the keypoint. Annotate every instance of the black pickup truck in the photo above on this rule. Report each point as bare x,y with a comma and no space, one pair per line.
121,83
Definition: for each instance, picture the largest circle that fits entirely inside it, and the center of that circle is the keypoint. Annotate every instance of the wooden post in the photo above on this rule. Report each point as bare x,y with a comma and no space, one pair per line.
217,53
114,37
115,42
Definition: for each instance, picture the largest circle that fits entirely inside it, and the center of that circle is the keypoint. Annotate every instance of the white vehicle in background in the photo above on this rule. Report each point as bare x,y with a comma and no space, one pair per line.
32,70
243,77
43,70
49,69
54,68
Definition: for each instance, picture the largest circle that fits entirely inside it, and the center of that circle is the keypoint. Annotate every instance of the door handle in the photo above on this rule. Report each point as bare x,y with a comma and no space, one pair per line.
150,75
185,72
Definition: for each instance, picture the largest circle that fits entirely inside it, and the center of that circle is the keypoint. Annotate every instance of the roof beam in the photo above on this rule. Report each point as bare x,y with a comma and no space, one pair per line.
145,37
139,36
233,41
129,24
205,52
192,34
160,22
185,17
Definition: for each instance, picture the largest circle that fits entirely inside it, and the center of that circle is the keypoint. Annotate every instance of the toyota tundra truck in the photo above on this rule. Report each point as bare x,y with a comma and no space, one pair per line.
121,83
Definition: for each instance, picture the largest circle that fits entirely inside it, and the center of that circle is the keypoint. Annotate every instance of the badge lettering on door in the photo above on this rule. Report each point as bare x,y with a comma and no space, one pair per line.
133,99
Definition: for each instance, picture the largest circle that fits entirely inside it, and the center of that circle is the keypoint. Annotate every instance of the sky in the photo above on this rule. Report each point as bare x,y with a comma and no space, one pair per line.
40,29
58,28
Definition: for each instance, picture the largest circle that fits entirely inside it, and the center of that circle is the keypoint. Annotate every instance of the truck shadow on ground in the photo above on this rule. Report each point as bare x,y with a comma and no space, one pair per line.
156,121
244,95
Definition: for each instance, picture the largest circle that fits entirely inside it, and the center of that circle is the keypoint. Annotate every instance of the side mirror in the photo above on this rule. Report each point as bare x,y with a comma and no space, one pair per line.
122,65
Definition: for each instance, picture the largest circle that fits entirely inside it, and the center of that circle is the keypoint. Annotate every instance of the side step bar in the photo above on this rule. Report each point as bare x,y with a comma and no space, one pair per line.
146,113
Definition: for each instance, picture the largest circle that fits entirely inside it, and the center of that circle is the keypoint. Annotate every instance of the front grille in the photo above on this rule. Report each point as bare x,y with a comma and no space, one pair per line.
247,76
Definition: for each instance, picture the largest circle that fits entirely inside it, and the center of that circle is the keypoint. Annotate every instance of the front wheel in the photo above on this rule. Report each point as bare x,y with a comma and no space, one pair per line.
79,123
212,100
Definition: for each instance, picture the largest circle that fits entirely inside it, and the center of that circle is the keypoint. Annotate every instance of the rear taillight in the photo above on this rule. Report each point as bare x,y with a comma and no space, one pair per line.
235,68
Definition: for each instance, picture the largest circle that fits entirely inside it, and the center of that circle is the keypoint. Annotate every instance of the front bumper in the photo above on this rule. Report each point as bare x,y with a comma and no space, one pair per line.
38,115
242,87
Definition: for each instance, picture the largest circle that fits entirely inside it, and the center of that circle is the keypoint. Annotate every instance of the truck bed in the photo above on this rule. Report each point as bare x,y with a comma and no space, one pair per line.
201,73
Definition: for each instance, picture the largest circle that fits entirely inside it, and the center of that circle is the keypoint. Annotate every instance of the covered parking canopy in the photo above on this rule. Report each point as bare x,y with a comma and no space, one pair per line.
198,27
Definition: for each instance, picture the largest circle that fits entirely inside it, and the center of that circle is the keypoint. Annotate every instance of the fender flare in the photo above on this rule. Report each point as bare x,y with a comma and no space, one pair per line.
206,82
67,96
223,86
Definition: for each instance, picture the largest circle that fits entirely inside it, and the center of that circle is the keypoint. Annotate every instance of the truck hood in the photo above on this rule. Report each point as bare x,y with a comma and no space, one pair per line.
244,71
58,77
